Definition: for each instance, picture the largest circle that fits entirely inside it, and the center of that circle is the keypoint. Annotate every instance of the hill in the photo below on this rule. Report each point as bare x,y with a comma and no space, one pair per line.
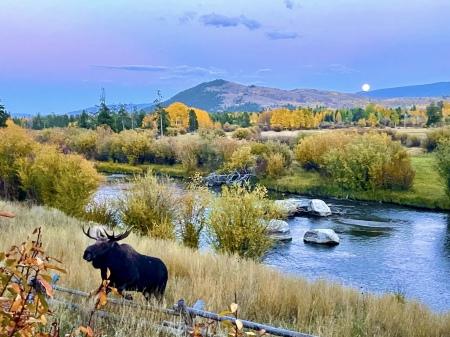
440,89
221,95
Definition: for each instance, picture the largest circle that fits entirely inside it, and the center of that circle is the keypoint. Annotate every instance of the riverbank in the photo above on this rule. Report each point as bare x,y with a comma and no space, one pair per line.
427,191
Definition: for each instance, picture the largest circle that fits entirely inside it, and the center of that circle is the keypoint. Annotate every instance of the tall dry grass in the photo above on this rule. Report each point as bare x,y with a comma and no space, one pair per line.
264,295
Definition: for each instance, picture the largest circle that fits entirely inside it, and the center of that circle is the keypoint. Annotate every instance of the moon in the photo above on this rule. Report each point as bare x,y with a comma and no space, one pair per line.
365,87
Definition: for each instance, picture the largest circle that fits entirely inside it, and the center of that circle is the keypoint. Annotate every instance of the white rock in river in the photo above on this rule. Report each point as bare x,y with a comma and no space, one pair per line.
319,207
324,236
279,230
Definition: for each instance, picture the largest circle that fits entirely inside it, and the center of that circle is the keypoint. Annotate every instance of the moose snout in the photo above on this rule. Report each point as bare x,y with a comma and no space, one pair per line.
87,256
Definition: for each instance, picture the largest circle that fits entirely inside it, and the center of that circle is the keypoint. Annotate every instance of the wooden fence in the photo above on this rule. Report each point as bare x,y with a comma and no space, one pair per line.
187,313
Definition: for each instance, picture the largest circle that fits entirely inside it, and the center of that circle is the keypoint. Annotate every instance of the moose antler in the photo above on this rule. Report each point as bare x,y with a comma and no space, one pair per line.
100,233
112,237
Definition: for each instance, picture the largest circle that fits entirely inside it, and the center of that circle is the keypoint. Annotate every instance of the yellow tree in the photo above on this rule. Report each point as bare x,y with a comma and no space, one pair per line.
372,120
178,115
264,117
281,116
254,118
204,121
149,121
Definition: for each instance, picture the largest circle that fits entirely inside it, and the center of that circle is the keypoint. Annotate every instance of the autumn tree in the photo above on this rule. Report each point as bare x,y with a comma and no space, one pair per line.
178,115
203,118
395,117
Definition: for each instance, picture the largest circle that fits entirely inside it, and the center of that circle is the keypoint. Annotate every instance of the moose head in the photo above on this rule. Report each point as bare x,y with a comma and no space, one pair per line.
104,242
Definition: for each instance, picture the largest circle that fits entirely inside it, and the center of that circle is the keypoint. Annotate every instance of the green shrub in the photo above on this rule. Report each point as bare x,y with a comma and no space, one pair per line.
171,131
85,143
434,137
275,165
65,182
163,151
242,133
188,153
276,127
370,161
192,211
210,134
238,221
310,151
102,212
443,163
15,145
136,145
149,206
272,147
413,141
241,160
225,148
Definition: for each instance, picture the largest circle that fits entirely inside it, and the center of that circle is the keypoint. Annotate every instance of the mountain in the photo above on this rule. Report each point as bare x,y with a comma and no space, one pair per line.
440,89
221,95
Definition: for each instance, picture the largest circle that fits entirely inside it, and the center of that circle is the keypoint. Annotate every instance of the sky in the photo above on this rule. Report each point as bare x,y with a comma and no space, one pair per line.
57,55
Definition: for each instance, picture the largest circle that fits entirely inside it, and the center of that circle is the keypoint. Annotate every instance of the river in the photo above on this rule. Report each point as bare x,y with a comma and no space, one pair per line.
383,248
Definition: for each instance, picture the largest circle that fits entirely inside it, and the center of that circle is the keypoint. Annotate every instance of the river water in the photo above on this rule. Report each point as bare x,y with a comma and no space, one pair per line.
383,248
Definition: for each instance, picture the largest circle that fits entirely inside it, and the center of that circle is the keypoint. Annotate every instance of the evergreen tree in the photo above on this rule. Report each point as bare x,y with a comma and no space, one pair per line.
434,113
193,122
104,116
38,123
4,115
83,122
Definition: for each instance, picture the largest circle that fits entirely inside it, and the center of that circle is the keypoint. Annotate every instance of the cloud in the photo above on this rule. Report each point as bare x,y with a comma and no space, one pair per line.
289,4
136,68
277,35
250,23
188,16
263,70
170,72
342,69
218,20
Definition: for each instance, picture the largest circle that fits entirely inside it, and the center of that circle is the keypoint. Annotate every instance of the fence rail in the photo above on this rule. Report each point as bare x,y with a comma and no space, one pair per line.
188,314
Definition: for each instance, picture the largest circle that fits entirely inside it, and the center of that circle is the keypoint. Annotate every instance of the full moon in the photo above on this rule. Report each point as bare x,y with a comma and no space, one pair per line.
365,87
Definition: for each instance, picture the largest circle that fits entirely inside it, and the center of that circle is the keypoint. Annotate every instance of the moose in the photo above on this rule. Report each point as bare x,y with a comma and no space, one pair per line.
128,270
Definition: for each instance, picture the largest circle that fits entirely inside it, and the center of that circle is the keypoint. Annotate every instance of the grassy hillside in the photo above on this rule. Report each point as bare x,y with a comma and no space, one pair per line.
264,295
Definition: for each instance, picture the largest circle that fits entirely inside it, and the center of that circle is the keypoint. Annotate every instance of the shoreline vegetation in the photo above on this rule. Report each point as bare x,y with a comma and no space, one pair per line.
264,295
427,192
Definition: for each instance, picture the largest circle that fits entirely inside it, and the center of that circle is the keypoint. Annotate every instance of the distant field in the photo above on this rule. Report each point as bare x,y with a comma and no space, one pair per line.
420,132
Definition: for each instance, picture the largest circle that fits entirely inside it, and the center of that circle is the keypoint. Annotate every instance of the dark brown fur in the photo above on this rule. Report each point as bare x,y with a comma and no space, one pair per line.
129,270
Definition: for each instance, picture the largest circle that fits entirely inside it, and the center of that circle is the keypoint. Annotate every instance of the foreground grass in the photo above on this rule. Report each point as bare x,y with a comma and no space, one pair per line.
264,295
427,190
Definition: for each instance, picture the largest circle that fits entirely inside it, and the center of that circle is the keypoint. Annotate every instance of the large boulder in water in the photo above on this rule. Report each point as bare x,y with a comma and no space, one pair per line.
323,236
318,207
279,230
292,207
